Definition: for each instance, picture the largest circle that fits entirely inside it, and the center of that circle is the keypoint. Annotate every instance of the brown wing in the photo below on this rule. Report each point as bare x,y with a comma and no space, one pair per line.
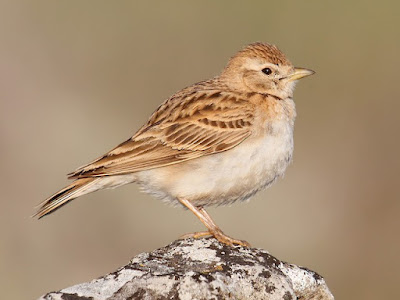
184,127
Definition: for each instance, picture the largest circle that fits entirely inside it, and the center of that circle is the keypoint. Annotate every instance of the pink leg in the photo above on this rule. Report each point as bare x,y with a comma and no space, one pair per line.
213,229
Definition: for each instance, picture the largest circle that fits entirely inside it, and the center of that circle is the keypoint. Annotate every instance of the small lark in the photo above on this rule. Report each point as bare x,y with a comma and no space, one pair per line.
212,143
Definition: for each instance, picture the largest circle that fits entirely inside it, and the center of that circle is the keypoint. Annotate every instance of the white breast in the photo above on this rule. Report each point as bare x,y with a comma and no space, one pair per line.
223,178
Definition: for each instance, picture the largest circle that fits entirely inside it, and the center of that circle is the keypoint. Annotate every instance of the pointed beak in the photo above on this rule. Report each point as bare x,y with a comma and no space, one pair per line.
300,73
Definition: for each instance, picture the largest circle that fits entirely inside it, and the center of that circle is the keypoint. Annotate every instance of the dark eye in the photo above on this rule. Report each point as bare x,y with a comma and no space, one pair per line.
266,71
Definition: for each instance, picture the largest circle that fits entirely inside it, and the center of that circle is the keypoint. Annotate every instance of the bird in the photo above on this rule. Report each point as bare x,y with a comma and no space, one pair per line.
213,143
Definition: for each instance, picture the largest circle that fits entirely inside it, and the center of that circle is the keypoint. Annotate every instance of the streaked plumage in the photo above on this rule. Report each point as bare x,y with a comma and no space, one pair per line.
212,143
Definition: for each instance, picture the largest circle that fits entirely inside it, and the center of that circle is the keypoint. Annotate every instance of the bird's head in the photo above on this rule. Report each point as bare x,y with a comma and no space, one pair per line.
263,68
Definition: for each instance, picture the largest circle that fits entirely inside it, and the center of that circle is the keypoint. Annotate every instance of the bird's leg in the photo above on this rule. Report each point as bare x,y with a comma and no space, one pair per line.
219,235
213,229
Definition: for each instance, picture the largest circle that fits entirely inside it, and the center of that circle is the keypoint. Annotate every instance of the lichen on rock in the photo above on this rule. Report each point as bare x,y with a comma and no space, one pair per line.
202,269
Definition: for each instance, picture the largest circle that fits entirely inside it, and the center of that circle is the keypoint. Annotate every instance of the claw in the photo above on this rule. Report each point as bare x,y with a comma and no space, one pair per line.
195,235
218,235
222,238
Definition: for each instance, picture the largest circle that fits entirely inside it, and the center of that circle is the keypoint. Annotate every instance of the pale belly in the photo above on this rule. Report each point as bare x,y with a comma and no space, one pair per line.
236,174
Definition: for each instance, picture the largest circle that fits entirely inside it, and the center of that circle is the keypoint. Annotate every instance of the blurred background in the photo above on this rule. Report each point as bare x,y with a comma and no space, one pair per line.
79,77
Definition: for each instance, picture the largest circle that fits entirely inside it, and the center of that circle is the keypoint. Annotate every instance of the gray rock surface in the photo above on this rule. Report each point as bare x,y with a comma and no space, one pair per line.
202,269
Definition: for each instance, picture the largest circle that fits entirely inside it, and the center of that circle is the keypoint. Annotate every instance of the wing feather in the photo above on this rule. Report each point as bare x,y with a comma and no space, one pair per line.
182,128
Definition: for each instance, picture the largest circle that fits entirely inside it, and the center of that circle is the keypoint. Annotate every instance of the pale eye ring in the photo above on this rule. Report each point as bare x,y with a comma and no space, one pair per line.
266,71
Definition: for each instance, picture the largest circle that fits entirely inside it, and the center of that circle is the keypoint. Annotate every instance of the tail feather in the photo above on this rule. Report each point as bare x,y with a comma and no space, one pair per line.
77,188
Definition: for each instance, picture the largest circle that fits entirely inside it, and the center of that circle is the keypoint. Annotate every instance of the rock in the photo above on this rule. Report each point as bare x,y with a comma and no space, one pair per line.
202,269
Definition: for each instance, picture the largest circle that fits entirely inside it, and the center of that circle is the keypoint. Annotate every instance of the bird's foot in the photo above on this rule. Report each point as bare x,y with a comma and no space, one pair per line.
219,235
195,235
227,240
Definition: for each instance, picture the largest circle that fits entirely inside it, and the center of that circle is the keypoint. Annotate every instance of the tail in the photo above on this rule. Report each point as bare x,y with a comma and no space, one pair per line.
77,188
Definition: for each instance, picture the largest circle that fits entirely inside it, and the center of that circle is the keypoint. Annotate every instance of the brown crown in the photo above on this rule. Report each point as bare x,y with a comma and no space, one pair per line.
269,52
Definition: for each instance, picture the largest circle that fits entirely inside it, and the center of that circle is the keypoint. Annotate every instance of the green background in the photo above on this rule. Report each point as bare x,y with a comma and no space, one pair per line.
79,77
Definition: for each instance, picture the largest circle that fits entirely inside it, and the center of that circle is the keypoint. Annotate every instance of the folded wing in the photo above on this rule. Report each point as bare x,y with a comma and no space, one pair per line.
184,127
